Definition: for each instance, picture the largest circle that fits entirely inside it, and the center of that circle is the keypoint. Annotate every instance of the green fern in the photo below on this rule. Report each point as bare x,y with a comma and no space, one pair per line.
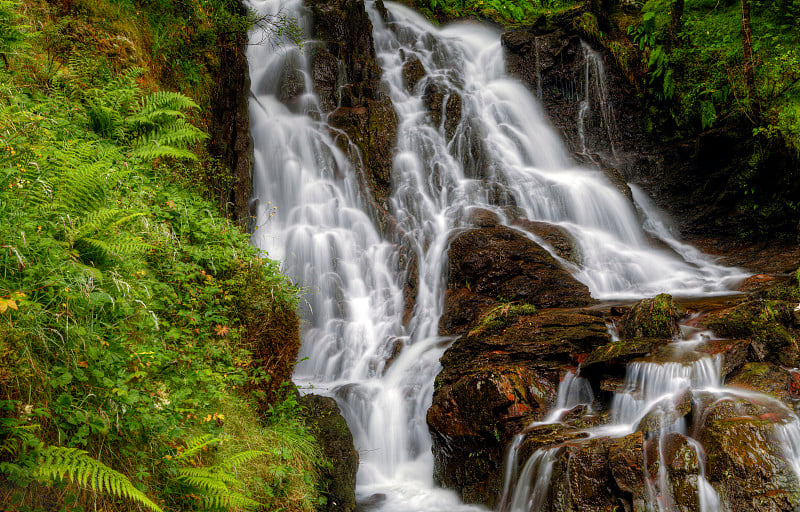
13,41
217,483
57,462
95,235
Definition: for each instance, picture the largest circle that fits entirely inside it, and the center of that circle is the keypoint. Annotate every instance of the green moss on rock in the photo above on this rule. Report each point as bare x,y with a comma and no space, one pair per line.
657,317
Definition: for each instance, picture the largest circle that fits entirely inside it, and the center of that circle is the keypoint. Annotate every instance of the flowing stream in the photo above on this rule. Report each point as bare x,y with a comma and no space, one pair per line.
501,155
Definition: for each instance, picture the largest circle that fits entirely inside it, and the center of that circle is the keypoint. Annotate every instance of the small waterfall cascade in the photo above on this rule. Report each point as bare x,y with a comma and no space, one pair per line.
595,105
499,154
657,396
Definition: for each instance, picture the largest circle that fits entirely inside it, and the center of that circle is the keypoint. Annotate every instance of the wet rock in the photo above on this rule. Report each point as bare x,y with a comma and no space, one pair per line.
397,347
444,105
229,122
734,353
331,431
364,112
581,417
371,502
619,182
626,460
372,128
666,412
546,436
581,479
683,470
325,74
292,82
766,323
617,354
475,413
496,379
558,238
499,263
757,282
483,218
768,378
744,464
413,71
657,317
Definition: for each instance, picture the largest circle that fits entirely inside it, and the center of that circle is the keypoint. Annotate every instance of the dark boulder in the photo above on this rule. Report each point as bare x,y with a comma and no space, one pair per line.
683,472
770,379
734,353
491,264
445,106
496,379
558,238
330,429
346,74
768,324
413,71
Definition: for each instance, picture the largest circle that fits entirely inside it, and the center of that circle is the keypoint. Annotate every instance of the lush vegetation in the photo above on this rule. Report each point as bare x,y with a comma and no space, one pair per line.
140,332
702,72
509,12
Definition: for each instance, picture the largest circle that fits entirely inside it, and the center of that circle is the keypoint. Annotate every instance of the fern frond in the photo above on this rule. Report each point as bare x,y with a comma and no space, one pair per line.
57,462
240,458
208,479
231,499
195,445
165,100
152,151
214,484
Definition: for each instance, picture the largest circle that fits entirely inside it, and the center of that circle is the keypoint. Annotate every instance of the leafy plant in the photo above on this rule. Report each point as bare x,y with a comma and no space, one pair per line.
57,462
216,484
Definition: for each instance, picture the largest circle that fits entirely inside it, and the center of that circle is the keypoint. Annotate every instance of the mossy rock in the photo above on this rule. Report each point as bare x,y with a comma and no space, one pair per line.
652,318
744,464
621,352
331,431
767,323
770,379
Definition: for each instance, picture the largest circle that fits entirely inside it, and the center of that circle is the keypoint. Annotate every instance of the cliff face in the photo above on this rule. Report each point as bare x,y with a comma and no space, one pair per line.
229,126
347,78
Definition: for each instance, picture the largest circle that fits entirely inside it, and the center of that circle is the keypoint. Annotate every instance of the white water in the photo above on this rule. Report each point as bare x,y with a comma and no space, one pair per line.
651,390
310,217
595,100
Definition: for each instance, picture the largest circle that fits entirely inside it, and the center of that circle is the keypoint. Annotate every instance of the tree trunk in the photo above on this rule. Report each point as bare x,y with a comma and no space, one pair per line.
676,24
747,51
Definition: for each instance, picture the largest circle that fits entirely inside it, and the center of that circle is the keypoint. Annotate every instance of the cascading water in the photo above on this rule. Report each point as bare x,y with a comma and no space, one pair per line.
651,393
500,155
595,100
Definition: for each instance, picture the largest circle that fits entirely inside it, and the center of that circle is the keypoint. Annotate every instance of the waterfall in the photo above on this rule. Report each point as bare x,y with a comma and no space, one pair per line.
595,102
500,154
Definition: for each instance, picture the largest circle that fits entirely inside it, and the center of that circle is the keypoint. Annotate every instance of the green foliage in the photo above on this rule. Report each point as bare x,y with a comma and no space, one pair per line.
503,11
501,316
13,39
127,305
56,462
216,483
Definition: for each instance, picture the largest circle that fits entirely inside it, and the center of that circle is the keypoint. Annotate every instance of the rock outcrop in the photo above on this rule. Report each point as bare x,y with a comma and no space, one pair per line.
330,429
347,78
515,308
497,379
229,128
744,465
494,264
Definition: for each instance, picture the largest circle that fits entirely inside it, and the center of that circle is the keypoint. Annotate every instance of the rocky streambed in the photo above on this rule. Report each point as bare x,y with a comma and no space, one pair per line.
687,405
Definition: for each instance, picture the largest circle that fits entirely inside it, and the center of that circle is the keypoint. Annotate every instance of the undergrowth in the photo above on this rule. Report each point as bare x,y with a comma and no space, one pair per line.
134,320
507,12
